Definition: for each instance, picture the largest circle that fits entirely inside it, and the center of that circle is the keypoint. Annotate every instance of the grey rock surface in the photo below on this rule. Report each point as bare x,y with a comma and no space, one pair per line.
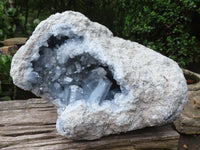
189,120
100,84
195,77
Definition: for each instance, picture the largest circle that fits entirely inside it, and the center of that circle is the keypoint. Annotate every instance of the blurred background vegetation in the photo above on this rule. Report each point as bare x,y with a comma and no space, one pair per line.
171,27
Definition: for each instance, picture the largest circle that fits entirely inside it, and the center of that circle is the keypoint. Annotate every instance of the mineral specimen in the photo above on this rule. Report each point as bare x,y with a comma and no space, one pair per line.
100,84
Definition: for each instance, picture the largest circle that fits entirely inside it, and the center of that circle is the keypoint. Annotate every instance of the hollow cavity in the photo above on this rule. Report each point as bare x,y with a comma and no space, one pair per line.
68,79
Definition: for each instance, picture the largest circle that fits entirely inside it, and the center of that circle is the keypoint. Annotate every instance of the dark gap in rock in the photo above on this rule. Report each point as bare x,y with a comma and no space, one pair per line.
110,77
191,78
53,41
80,77
43,49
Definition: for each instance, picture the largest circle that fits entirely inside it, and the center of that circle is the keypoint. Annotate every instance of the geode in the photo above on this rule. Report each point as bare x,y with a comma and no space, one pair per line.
99,83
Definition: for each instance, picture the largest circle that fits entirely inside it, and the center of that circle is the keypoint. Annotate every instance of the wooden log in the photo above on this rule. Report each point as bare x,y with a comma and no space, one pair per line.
14,41
30,125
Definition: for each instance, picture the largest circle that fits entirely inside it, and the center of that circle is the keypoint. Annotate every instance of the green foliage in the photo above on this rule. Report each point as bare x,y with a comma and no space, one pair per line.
5,63
6,85
7,24
169,27
164,26
31,12
0,88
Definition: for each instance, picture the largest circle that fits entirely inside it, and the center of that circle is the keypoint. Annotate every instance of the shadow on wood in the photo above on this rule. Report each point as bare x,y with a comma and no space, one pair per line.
30,125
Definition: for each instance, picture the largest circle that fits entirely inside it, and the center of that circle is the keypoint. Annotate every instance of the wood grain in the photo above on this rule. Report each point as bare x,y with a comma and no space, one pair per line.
30,125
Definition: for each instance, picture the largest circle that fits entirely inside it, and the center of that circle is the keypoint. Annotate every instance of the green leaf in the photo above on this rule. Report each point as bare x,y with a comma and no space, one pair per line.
36,22
14,28
1,32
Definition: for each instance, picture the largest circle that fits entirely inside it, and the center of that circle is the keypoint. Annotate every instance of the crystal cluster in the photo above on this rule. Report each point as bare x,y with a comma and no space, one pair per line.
66,79
100,84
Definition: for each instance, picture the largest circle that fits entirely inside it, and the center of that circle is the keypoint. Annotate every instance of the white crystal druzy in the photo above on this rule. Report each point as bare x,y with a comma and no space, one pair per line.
68,59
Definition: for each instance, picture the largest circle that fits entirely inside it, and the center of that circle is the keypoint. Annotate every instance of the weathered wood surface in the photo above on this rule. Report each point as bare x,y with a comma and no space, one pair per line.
30,125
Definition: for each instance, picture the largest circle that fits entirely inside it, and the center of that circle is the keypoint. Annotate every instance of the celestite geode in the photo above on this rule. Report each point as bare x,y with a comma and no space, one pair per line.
100,84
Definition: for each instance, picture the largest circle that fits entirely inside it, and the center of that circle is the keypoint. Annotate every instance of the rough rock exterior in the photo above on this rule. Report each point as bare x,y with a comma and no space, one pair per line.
189,120
101,84
196,79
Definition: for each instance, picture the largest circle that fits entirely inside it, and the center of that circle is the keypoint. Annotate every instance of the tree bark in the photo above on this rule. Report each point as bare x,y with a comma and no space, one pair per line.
27,9
39,10
11,2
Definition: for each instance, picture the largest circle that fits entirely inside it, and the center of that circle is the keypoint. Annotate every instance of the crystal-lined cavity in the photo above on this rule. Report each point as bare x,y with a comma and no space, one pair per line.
68,79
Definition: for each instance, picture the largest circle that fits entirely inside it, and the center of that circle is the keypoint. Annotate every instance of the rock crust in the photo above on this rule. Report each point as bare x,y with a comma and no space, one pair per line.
189,120
151,88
